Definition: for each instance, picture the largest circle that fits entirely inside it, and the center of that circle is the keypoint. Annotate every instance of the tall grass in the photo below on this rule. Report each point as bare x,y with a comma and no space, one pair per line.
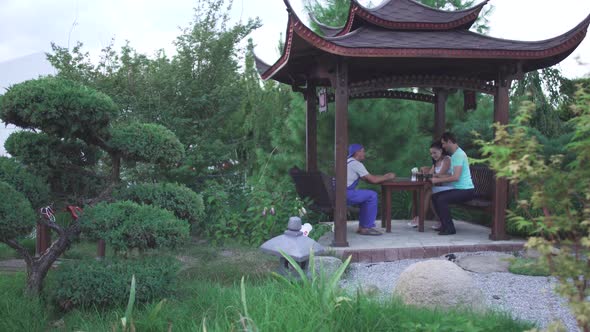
277,306
204,302
18,312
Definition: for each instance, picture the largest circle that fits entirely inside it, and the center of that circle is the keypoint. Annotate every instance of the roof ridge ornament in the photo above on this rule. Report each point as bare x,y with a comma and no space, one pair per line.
410,15
288,5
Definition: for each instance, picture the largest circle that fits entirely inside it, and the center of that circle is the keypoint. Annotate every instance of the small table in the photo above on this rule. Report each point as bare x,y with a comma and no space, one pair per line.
419,189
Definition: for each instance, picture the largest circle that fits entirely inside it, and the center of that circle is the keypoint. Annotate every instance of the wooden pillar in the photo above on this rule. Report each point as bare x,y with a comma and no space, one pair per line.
42,239
500,199
440,97
340,153
311,150
100,249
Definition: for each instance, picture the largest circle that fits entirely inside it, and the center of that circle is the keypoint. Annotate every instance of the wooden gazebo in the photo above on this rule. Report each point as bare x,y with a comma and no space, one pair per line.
403,44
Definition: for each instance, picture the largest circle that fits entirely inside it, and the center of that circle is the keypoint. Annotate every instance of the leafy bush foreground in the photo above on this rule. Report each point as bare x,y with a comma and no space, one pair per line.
179,199
126,226
92,283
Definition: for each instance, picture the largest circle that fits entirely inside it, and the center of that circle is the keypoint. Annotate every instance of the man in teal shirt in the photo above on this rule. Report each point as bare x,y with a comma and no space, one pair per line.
460,179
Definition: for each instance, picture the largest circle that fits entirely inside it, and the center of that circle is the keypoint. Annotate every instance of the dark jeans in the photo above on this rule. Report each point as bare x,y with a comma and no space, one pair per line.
441,201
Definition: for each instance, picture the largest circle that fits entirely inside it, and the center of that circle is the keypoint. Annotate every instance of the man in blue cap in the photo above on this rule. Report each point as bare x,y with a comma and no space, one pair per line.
366,199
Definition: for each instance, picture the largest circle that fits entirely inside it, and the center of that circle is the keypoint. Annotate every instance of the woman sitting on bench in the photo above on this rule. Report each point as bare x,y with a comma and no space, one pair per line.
441,164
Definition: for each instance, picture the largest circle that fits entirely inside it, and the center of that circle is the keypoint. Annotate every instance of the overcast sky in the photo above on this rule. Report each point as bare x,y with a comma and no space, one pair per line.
28,26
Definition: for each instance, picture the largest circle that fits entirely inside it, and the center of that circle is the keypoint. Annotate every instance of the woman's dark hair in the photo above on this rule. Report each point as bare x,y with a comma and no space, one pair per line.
438,145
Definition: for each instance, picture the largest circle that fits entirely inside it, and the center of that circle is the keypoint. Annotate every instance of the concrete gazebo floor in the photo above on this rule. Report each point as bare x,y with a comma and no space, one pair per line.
405,242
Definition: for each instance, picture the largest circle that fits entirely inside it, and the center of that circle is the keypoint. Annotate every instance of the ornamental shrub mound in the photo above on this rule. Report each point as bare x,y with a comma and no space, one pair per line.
106,283
33,187
148,142
59,107
127,225
17,217
179,199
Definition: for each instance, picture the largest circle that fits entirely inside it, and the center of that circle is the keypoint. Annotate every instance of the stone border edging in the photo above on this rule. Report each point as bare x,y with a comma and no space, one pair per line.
395,254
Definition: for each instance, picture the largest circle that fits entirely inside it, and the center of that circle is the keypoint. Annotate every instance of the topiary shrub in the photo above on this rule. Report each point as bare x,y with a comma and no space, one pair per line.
147,142
17,217
58,107
106,283
179,199
127,225
64,164
40,149
33,187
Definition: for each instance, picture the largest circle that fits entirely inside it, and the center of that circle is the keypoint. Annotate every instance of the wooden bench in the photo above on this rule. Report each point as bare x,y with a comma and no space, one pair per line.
319,188
484,181
316,186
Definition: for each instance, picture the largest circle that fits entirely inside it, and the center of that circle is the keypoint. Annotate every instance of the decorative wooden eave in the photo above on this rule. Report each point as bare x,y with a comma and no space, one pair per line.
408,15
449,46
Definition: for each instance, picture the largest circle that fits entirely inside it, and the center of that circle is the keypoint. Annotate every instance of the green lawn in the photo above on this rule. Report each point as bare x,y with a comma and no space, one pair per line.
528,267
209,298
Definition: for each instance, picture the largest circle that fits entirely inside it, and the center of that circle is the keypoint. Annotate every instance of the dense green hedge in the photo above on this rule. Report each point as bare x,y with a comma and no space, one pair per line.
58,107
40,149
33,187
17,218
63,163
127,225
106,283
177,198
147,142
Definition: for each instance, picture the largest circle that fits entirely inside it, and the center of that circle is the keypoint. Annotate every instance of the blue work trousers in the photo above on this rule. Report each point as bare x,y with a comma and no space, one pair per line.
367,200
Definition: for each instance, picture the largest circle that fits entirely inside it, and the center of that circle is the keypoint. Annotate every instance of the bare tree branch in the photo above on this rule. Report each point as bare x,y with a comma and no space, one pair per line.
21,250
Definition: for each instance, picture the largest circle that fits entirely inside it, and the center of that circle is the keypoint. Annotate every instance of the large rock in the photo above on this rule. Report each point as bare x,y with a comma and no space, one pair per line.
438,284
486,263
326,265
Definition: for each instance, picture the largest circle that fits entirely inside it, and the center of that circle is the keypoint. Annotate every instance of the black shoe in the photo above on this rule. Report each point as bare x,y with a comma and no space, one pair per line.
445,232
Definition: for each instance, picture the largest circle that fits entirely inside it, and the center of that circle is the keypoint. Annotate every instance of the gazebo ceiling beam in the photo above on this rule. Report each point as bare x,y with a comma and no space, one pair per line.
425,81
388,94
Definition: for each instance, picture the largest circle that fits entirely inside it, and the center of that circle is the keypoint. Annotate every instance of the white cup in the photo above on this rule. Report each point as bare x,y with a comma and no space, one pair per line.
306,229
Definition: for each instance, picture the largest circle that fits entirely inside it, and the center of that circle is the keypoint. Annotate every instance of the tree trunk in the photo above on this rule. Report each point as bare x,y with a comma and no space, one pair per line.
116,171
37,267
35,278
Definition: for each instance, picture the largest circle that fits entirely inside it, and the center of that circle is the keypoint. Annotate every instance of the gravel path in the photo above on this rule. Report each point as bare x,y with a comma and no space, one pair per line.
525,297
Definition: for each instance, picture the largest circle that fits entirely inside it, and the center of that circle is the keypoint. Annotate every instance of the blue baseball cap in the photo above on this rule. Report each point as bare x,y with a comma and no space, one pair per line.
353,148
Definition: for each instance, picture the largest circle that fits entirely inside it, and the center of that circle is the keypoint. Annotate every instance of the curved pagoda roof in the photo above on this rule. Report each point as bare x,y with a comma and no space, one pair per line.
374,51
404,15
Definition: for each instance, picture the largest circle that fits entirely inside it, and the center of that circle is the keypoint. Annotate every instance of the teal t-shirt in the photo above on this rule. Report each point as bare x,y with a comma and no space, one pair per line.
459,158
